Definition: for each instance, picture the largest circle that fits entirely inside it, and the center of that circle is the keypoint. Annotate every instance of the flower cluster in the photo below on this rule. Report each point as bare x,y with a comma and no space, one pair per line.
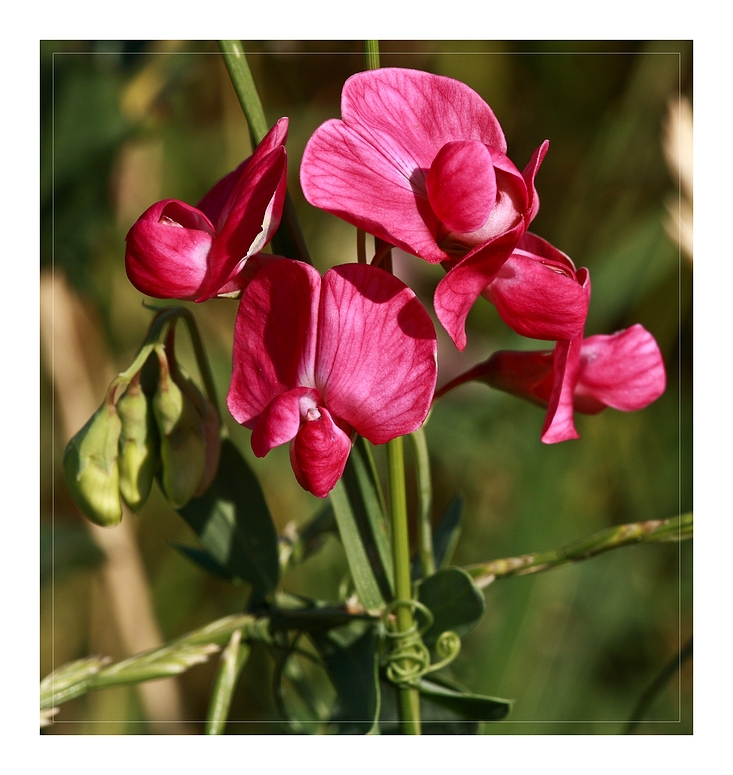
420,162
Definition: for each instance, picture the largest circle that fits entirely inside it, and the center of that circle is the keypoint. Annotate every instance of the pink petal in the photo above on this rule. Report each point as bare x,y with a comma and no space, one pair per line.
346,176
274,337
559,425
256,207
624,370
280,420
319,453
529,173
540,301
376,362
216,204
461,185
167,250
410,114
464,283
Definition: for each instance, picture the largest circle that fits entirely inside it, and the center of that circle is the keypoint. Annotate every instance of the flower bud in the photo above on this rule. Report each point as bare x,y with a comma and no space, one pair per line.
91,468
211,426
138,447
182,442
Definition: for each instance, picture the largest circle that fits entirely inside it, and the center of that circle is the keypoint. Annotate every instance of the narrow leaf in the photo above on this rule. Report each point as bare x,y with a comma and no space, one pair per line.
233,659
446,534
472,707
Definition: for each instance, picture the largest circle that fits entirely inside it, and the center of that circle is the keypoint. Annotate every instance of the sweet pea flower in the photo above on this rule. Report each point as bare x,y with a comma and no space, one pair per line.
319,359
176,251
419,161
537,292
624,370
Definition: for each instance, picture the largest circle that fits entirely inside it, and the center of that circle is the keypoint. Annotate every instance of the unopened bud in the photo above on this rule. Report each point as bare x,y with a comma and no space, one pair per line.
91,469
211,426
138,446
182,442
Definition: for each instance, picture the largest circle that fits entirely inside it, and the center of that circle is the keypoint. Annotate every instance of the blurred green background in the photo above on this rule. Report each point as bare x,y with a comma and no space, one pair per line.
126,123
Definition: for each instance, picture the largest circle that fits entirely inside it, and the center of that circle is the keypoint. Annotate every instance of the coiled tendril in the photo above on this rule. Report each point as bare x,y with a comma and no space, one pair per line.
409,659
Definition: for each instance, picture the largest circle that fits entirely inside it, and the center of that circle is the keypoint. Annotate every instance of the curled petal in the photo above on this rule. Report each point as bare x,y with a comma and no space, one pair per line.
559,424
529,173
319,453
461,185
274,337
167,250
376,364
256,207
464,283
280,420
539,300
624,370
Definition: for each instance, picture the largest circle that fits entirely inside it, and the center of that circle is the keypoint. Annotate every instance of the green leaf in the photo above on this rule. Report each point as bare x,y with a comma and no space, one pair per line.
446,534
453,697
294,612
233,659
356,506
204,560
234,524
350,658
454,600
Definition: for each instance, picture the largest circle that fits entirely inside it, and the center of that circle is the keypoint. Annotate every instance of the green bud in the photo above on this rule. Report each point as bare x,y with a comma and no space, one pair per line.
138,459
91,469
211,426
182,443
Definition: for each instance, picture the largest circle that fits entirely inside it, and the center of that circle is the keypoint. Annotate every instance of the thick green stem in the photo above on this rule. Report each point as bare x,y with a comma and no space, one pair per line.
288,240
409,697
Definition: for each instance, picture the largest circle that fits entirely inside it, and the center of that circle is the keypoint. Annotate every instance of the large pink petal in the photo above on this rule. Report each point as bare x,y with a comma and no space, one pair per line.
319,453
410,114
539,301
461,185
624,370
274,337
280,420
376,362
256,207
167,250
559,424
464,283
348,177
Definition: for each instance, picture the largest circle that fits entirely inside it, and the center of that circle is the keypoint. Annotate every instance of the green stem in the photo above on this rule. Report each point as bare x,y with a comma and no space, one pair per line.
655,530
371,54
425,498
288,241
409,697
233,659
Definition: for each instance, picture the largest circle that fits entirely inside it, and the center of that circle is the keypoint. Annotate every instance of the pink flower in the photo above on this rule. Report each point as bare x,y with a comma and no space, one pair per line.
317,359
176,251
419,160
537,292
624,370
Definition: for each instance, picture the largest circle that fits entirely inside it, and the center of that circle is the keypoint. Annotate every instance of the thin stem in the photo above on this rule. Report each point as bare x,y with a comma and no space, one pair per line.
288,241
646,699
371,54
233,659
409,697
655,530
425,498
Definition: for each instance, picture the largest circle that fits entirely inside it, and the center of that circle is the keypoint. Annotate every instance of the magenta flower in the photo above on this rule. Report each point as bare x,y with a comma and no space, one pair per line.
624,371
317,359
537,292
176,251
419,160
